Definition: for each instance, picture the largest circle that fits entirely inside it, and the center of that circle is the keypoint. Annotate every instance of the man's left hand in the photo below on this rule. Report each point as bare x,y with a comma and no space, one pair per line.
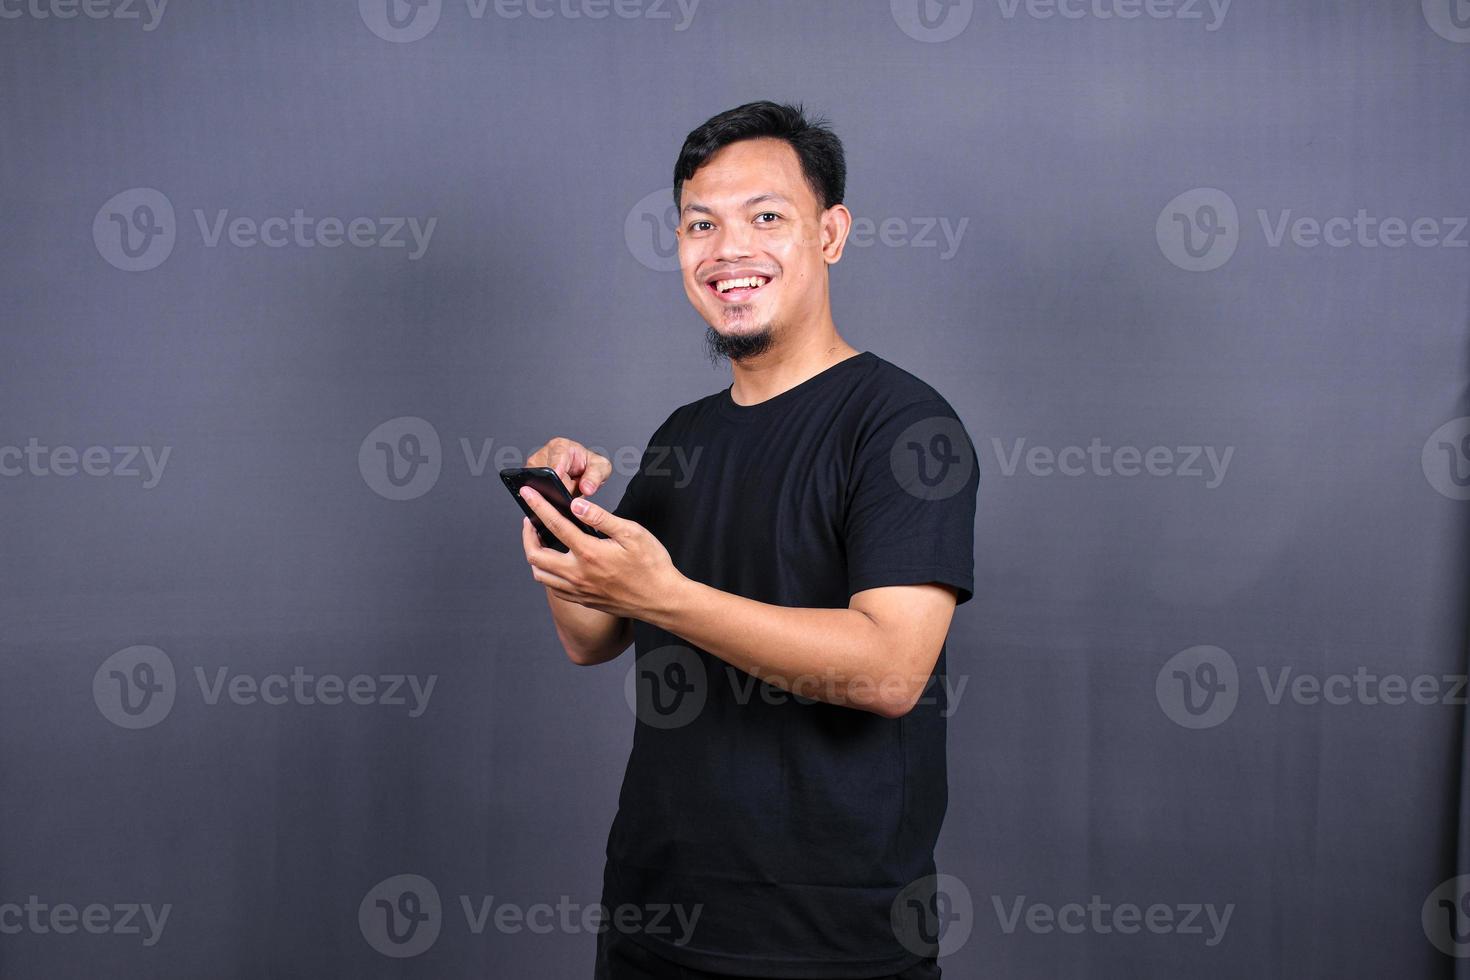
628,573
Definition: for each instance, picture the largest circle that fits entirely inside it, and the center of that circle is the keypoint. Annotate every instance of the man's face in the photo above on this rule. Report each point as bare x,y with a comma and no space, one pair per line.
750,223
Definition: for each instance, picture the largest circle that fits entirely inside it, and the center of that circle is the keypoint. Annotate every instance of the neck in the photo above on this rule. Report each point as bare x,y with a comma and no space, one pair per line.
786,365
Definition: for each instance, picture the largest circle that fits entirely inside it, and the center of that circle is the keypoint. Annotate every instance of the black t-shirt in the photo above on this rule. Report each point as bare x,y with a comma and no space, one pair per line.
789,825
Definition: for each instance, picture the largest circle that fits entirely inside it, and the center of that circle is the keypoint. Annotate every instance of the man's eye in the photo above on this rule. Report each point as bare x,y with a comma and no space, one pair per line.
694,225
770,214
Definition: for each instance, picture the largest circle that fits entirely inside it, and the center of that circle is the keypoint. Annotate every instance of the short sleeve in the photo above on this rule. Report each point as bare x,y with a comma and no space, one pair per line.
631,506
910,503
636,504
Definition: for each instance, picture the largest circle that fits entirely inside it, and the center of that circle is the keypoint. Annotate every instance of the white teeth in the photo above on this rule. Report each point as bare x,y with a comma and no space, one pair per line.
725,285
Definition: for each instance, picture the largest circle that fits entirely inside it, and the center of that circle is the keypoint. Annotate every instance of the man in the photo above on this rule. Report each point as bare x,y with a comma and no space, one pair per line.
787,561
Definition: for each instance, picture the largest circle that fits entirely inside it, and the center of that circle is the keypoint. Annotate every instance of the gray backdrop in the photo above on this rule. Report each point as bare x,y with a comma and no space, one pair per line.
283,284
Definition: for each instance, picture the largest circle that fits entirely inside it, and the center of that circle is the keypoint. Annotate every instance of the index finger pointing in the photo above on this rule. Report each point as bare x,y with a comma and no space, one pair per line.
561,528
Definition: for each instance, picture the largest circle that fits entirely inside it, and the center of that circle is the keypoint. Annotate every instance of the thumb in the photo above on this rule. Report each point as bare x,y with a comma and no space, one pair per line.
604,520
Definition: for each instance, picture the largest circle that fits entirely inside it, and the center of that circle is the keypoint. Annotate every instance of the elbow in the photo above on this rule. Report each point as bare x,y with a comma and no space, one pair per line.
897,694
584,656
893,699
588,658
891,708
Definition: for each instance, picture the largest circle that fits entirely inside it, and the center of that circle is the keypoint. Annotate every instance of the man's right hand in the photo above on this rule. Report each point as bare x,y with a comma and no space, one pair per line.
581,470
588,635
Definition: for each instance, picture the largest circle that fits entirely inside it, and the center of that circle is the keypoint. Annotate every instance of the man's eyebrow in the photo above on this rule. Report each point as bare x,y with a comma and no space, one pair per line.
768,196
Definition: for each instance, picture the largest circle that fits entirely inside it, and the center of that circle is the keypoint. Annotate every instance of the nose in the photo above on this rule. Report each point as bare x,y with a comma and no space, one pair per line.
734,241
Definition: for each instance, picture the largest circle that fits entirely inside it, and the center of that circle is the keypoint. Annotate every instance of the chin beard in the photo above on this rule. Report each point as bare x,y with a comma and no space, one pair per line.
739,347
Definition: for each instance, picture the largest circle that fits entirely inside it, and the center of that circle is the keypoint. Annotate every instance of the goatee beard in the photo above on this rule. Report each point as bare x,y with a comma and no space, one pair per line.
740,346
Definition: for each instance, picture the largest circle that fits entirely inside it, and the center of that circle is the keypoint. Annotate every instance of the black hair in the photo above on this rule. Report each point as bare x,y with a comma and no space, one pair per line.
816,146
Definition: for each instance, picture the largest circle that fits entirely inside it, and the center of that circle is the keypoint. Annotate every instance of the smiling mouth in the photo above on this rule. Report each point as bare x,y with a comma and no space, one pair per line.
734,290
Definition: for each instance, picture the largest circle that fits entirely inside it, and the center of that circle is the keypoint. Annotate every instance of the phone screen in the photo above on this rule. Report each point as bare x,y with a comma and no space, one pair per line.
543,480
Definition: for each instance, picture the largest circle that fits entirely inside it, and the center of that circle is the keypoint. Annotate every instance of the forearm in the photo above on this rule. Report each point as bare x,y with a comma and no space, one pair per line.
590,636
835,655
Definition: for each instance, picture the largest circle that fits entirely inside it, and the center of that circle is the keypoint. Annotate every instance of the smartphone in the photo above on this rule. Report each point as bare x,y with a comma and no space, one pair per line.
543,480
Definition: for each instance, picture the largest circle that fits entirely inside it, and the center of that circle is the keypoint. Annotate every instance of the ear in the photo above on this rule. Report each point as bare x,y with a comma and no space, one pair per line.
836,223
